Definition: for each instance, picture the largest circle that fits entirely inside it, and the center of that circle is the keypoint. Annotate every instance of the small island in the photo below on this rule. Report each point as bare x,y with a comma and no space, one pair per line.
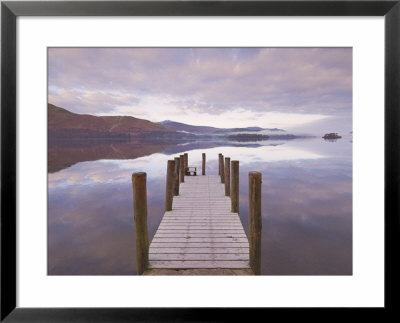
332,135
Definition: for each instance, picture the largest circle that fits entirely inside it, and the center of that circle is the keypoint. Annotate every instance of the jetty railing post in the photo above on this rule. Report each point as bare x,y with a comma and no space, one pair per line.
235,186
186,161
169,188
140,219
221,166
182,168
203,164
255,221
176,173
227,176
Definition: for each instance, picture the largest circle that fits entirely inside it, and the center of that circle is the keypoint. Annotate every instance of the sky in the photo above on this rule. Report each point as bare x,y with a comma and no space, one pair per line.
307,90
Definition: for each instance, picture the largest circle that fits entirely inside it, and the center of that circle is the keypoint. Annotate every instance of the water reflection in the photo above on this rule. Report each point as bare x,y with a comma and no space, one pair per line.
307,204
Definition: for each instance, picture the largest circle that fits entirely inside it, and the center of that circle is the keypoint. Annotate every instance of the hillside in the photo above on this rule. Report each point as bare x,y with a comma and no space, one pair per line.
178,126
63,123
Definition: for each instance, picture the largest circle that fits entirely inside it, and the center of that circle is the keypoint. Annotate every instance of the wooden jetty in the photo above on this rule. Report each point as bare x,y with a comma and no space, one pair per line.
201,232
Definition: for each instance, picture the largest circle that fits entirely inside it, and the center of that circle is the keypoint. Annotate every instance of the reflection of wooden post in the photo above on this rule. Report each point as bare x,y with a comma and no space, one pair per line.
235,186
186,161
255,221
221,161
219,164
203,164
169,188
176,173
227,176
140,218
182,167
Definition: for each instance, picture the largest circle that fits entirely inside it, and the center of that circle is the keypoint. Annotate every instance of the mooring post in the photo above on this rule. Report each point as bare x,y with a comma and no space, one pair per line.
203,164
140,219
169,188
221,165
235,186
186,161
227,176
176,173
182,167
255,221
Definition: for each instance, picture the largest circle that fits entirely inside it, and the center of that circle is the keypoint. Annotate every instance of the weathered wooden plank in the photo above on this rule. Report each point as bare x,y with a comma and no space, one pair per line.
199,272
198,200
188,199
194,208
199,264
200,218
194,239
200,231
198,250
184,197
201,235
209,228
196,219
211,221
199,244
200,227
192,211
201,222
198,256
199,214
189,202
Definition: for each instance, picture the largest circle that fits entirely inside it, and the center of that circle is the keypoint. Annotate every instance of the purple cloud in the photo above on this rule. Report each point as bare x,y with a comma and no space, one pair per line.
209,80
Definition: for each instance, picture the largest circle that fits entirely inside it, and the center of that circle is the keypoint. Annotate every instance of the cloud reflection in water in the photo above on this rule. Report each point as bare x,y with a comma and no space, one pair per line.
307,205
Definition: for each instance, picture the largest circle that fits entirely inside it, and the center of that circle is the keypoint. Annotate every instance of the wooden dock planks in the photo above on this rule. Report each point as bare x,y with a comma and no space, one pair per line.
200,232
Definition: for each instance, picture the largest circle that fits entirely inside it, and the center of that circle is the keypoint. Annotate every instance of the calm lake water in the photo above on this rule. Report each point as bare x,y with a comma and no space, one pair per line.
306,202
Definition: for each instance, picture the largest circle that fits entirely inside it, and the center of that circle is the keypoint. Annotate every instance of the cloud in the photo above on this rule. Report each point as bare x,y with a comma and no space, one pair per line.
210,81
95,102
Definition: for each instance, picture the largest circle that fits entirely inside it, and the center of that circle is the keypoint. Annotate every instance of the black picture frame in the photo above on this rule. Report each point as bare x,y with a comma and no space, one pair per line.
10,10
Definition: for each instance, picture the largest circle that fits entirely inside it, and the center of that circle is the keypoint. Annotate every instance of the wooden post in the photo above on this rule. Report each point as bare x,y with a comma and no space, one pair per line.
221,166
176,173
255,221
203,164
169,187
186,161
235,186
227,176
140,218
182,167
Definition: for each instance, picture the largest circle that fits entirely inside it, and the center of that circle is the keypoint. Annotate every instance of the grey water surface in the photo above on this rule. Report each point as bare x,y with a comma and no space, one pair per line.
306,202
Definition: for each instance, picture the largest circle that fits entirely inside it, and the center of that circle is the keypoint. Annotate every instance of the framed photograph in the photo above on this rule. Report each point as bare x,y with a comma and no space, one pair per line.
197,157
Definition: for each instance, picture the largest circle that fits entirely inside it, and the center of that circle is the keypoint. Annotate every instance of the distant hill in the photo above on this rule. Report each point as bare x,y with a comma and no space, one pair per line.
248,129
178,126
63,123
